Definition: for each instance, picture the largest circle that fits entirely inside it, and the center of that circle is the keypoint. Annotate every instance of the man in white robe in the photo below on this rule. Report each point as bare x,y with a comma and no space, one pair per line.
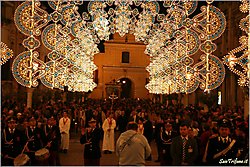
108,127
64,125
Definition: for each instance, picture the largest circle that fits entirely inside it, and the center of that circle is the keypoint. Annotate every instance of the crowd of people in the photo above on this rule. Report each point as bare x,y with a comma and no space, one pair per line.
183,135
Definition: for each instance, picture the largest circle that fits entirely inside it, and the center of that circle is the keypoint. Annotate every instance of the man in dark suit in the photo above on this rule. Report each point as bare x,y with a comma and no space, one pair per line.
184,149
53,137
166,136
36,140
91,137
221,148
12,142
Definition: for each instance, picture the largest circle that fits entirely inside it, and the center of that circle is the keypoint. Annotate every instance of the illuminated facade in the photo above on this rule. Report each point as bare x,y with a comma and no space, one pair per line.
136,57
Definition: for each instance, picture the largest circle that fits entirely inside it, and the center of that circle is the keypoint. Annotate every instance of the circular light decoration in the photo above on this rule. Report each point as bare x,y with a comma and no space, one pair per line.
77,26
217,23
191,6
69,14
191,82
23,18
49,38
5,53
21,69
216,72
193,42
55,76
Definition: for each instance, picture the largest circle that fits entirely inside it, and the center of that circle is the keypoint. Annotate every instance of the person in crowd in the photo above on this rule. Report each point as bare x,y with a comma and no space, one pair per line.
108,127
148,131
214,132
155,110
206,134
195,129
64,126
133,117
158,126
221,147
12,142
140,126
132,148
142,113
166,136
122,121
19,122
98,118
53,137
36,140
243,140
184,149
87,115
91,137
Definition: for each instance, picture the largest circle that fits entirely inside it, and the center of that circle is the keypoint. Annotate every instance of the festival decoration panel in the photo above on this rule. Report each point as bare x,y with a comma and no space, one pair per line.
237,60
171,40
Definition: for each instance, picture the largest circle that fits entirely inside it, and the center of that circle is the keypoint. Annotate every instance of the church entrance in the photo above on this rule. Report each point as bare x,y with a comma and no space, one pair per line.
126,86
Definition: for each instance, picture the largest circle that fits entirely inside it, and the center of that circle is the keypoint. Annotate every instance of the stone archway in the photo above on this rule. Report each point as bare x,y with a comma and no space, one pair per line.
126,88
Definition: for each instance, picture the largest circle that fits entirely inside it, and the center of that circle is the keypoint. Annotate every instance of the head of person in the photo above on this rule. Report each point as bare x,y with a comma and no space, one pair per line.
240,130
19,116
65,114
32,121
95,112
191,132
214,130
111,115
184,129
25,122
168,126
51,121
141,120
224,127
132,126
133,113
122,112
11,123
92,123
206,127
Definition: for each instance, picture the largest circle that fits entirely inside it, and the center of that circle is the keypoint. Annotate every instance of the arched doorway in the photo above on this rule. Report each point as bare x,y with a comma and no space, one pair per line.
126,86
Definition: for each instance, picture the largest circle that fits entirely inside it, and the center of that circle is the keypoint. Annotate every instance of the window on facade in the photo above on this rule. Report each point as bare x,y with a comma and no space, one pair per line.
125,57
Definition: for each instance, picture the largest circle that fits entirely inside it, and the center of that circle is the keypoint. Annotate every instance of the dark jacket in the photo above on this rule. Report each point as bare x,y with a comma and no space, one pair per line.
12,145
53,136
39,139
216,145
91,140
122,122
18,142
191,151
166,141
148,130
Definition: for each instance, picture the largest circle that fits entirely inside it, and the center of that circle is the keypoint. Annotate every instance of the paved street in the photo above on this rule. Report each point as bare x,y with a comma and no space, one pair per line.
74,157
